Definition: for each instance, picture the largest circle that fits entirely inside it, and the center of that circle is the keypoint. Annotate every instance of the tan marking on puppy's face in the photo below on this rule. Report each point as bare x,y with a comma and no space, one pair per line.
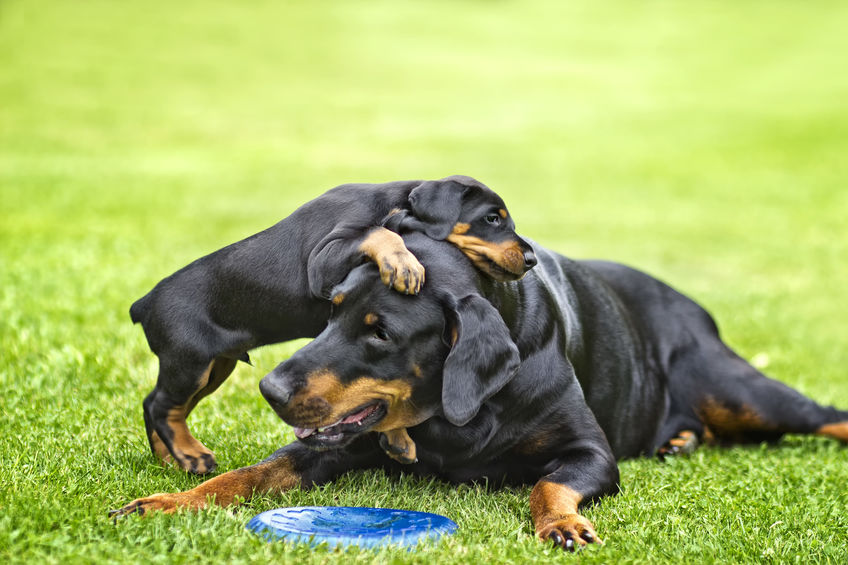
461,228
507,256
371,319
338,299
502,213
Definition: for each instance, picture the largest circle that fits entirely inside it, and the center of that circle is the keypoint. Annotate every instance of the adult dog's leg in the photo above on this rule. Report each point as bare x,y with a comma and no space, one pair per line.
290,467
556,498
735,402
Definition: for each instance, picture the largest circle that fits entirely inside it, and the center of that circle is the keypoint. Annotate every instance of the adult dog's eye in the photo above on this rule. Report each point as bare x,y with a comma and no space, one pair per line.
381,334
493,219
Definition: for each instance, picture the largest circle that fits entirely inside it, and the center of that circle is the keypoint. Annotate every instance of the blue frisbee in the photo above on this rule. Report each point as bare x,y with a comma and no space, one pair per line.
345,525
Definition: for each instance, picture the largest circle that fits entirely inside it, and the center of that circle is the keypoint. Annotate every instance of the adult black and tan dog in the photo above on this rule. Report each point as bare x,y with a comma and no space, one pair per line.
547,380
272,286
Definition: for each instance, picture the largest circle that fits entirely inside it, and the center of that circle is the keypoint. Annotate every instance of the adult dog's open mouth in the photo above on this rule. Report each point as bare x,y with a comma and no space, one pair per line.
345,429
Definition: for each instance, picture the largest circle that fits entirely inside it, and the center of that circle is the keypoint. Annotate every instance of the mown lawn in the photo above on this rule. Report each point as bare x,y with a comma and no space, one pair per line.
703,141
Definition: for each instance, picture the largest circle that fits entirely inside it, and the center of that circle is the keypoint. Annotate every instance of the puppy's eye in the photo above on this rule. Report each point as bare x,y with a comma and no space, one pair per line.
493,219
381,334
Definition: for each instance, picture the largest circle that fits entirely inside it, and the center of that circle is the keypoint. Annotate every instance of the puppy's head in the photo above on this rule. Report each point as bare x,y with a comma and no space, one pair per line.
474,218
388,361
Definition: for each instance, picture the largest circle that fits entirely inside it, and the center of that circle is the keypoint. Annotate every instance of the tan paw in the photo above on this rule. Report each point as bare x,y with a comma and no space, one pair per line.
684,443
161,502
402,271
399,446
570,532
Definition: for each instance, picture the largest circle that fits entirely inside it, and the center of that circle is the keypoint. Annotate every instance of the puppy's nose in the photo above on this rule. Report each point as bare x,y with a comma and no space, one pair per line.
529,259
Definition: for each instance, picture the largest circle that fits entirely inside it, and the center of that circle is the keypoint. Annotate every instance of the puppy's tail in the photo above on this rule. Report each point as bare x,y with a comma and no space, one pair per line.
139,309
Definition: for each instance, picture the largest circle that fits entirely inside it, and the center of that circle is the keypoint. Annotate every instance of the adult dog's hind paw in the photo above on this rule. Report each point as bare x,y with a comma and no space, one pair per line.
684,443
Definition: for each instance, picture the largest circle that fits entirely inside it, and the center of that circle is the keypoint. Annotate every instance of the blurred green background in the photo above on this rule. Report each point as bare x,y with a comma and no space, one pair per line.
702,141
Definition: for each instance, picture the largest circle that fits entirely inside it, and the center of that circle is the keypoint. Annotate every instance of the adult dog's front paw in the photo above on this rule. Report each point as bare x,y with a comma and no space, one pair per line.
162,502
399,446
570,532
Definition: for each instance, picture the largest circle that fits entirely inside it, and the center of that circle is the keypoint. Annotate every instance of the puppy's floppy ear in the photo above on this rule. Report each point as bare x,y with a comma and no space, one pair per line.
436,204
483,358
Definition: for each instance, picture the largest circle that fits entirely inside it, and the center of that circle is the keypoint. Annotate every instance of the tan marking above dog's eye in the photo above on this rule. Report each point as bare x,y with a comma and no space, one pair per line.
503,213
371,319
338,299
461,228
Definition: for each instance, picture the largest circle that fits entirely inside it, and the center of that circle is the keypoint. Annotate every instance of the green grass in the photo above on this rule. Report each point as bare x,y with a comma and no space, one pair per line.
703,141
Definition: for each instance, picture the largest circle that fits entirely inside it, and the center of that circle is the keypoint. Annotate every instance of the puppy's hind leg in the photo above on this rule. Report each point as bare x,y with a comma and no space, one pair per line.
179,388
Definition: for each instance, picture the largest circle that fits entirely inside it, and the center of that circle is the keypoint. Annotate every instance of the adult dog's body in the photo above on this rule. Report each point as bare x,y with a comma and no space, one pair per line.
545,380
272,286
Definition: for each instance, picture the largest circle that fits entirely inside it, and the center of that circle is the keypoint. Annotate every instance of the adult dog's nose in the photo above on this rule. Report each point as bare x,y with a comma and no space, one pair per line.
275,390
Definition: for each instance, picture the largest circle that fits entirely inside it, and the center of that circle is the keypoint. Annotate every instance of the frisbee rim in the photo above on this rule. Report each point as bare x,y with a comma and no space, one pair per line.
439,526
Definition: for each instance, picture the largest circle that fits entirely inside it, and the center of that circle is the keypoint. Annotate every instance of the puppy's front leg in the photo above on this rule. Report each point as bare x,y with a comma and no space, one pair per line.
398,267
346,246
292,466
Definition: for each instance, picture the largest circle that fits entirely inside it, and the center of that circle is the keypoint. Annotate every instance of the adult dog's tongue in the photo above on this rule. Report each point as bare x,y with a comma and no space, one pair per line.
303,433
359,416
355,418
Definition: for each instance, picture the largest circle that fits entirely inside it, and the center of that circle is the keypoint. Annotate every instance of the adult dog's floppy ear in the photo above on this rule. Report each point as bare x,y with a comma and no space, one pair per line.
437,205
358,278
483,358
333,258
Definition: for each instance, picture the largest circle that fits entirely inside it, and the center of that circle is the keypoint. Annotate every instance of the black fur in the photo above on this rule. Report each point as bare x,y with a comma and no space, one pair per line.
611,364
272,287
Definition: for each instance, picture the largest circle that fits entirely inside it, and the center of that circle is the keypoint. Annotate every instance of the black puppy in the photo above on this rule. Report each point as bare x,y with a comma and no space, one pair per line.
547,380
272,286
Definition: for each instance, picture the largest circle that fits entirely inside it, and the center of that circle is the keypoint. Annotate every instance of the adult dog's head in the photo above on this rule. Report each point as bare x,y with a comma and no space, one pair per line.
470,215
388,361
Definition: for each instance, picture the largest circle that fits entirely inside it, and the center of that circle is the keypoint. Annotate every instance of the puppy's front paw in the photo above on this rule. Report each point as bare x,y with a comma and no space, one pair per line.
570,532
398,267
402,271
